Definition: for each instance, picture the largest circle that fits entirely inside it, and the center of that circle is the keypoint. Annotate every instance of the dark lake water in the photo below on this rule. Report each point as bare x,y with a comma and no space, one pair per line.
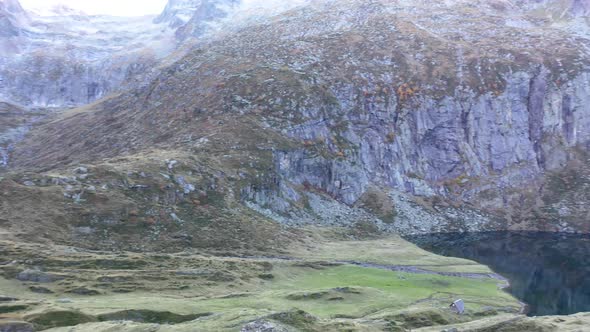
549,272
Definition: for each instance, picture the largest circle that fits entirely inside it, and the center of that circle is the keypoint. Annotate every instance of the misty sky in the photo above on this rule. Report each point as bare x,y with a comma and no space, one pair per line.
111,7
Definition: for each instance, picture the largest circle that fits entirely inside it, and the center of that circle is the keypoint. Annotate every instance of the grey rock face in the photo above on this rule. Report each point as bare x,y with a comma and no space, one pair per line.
207,12
178,12
499,140
54,63
481,147
263,326
13,14
58,81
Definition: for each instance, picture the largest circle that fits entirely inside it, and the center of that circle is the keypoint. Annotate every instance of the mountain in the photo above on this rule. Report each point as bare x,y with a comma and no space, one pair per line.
178,12
63,58
405,117
230,161
59,57
206,14
67,59
193,18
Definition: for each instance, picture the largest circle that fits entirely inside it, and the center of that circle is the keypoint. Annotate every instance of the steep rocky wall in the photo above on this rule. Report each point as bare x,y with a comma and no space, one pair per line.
491,152
61,81
206,13
178,12
490,149
521,132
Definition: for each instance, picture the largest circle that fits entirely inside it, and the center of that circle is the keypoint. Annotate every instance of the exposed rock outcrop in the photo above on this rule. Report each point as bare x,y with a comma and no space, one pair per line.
178,12
207,13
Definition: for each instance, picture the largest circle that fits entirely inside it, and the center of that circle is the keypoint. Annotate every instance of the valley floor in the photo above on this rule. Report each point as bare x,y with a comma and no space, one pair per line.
328,283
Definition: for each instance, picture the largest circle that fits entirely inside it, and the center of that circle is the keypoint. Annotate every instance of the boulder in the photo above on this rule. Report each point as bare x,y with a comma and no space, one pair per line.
263,326
81,170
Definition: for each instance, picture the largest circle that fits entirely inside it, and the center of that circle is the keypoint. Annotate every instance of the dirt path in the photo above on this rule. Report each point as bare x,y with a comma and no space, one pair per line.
396,268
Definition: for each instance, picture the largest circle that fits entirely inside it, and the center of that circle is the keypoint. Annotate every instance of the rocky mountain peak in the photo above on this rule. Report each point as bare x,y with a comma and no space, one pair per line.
86,57
207,12
192,17
178,12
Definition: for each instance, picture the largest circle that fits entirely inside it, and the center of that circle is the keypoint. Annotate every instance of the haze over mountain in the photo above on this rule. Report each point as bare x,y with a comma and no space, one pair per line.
129,8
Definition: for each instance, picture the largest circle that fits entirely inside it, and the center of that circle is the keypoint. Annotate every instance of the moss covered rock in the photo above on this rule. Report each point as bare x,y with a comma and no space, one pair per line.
149,316
50,319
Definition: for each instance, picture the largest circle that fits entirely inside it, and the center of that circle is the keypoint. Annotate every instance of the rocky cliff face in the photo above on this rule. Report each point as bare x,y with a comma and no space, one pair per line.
208,12
404,116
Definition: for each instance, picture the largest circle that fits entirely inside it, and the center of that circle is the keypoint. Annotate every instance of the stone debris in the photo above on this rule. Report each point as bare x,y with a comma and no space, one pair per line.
81,170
